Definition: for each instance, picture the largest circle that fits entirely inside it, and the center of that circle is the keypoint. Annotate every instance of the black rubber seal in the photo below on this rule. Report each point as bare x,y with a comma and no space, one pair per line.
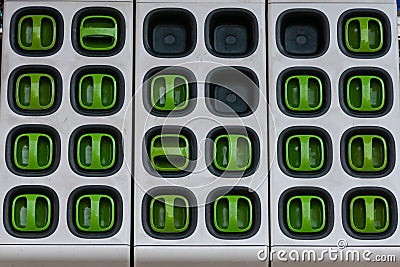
32,128
235,190
169,130
169,190
383,192
313,23
11,96
97,69
225,19
301,191
36,10
256,151
164,71
326,97
366,71
390,145
387,36
179,23
281,153
104,11
95,128
30,189
94,189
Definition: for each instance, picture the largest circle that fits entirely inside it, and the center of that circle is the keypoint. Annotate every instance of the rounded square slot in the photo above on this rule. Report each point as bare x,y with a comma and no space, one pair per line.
95,150
171,151
303,92
366,92
306,213
36,31
34,90
233,213
231,32
169,32
367,152
232,152
232,91
169,213
169,91
364,33
302,33
369,213
31,211
33,150
98,31
304,152
97,90
94,212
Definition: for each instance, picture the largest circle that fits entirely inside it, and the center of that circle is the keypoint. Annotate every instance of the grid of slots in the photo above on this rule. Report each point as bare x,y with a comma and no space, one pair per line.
94,150
365,151
171,151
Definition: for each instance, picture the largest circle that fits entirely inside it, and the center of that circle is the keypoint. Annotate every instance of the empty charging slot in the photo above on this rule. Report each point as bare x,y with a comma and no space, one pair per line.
232,91
303,33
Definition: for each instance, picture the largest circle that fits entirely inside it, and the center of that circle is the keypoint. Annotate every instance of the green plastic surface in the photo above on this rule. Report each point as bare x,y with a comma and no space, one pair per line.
95,213
169,152
96,151
99,33
365,93
97,92
364,35
303,93
31,213
233,214
305,153
232,152
367,153
37,32
33,151
306,214
169,214
369,214
169,92
35,91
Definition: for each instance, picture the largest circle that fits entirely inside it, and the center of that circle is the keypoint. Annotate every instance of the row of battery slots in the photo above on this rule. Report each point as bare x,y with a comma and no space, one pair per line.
230,32
303,213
